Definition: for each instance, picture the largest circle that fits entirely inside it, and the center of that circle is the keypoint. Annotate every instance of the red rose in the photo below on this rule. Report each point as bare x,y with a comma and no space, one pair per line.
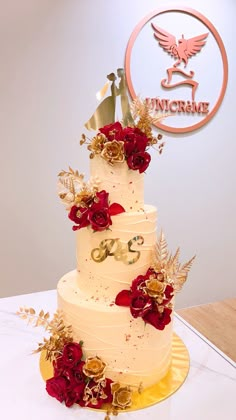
99,218
134,141
112,131
98,215
56,387
71,355
74,375
158,320
74,395
139,161
77,374
82,219
140,304
138,283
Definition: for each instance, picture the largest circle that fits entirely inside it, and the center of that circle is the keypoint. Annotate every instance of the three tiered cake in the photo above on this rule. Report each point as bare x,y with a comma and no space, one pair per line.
112,334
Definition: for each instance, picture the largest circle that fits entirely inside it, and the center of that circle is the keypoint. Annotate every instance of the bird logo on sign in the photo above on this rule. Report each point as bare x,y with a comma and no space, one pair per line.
185,49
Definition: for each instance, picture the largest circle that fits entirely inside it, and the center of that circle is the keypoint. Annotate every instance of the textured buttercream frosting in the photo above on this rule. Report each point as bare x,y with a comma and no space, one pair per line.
124,185
104,277
134,352
108,262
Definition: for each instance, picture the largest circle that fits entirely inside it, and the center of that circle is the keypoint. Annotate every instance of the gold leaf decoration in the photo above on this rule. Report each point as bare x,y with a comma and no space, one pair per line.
146,118
182,274
68,184
161,253
140,115
173,263
74,191
60,334
169,265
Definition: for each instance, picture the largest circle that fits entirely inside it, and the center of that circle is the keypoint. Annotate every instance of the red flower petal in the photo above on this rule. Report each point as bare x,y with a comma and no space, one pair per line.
123,298
115,209
159,321
103,199
138,283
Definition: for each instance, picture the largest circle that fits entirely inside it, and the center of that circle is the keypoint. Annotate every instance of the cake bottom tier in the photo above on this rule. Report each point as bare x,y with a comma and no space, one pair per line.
134,352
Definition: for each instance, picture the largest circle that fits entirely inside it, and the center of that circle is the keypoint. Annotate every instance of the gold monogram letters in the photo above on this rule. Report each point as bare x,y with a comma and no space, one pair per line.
114,248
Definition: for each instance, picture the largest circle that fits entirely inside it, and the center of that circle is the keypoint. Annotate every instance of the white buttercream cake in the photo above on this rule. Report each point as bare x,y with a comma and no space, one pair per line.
135,352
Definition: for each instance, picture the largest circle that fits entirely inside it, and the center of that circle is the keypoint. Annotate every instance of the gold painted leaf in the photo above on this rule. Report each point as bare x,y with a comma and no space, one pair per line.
182,274
32,311
37,351
161,252
172,264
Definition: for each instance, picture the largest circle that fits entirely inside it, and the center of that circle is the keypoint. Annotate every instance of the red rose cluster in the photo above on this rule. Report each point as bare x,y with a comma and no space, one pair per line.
97,213
69,382
135,144
146,301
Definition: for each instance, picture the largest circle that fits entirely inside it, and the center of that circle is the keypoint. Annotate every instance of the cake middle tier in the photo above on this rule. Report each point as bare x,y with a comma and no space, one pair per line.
110,260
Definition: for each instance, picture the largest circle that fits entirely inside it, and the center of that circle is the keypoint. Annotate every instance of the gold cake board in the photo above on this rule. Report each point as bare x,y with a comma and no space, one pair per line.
156,393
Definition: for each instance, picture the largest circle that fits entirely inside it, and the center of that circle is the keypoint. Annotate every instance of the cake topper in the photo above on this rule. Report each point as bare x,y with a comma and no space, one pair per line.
105,112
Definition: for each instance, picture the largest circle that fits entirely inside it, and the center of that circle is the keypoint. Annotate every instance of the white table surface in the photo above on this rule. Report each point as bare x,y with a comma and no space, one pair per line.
209,393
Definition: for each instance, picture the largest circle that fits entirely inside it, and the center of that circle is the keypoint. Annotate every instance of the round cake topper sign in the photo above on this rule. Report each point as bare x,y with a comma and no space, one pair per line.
179,66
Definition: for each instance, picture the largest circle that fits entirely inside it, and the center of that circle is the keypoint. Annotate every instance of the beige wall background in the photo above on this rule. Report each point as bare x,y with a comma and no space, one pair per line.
54,57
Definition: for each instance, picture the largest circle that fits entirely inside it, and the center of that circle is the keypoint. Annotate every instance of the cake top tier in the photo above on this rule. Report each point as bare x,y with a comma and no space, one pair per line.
119,155
124,186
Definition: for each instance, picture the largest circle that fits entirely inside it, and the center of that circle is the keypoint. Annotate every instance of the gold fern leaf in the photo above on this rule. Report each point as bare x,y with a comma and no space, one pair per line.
161,252
182,274
74,174
60,333
68,184
175,258
172,264
136,107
